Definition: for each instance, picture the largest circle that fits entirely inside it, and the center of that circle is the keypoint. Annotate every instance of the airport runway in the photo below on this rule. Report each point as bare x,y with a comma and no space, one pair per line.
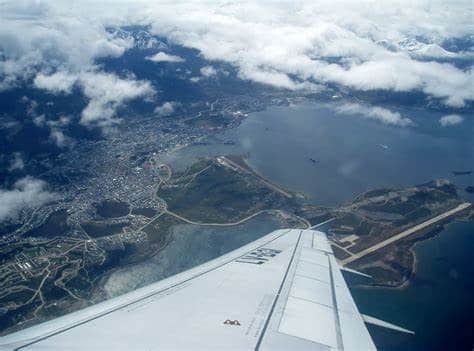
406,233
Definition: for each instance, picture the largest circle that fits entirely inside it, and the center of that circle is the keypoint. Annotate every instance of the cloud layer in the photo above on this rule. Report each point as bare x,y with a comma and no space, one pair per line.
106,92
26,193
16,163
450,120
375,112
294,45
363,45
39,36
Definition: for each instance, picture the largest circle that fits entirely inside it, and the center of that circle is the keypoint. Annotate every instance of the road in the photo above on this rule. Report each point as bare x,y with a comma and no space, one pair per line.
243,220
217,224
406,233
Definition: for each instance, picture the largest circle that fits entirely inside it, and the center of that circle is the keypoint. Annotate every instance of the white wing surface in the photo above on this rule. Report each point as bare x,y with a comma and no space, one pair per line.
282,292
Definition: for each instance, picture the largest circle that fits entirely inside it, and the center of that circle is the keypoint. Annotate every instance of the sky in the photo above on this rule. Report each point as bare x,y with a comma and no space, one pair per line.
394,46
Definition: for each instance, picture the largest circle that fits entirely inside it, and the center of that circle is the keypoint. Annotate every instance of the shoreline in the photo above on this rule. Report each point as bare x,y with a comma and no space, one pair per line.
432,234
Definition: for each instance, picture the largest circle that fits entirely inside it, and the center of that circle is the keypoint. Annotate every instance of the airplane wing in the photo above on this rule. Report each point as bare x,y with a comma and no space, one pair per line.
282,292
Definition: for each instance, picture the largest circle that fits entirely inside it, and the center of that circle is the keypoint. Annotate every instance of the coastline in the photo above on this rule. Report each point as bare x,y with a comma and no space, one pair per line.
426,237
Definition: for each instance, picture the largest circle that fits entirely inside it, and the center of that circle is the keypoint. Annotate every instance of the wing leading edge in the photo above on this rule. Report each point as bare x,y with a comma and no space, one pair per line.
283,291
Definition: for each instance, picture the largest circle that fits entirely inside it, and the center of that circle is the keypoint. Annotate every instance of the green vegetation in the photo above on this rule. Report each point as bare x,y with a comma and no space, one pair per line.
159,229
393,265
380,214
212,192
54,225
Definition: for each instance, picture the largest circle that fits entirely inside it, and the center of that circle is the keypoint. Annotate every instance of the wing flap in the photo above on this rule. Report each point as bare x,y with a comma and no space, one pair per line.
310,321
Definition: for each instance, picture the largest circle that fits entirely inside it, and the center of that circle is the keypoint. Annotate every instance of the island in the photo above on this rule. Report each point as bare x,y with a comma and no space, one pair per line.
54,265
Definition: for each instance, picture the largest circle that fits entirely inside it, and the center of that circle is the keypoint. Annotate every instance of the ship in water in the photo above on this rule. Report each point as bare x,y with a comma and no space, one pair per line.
458,173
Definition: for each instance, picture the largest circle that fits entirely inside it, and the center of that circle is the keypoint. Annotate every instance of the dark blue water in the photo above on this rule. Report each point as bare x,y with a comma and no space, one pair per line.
350,159
438,303
280,141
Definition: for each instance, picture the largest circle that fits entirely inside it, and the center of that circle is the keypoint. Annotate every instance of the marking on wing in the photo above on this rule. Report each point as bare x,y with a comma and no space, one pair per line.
267,321
256,323
259,256
232,322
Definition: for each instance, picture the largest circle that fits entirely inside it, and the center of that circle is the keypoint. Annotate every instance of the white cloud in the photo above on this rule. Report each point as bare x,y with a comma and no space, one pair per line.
363,45
208,71
106,92
166,109
26,193
57,137
59,82
286,43
450,120
17,162
38,36
39,121
164,57
374,112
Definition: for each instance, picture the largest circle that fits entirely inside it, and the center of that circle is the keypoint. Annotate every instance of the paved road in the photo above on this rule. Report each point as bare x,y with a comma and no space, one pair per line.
230,224
406,233
217,224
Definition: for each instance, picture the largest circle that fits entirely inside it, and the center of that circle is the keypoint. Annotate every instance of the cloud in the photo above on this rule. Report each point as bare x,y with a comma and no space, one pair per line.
39,121
57,46
59,82
450,120
56,134
166,109
403,74
26,193
38,36
348,168
208,71
374,112
17,162
106,92
58,138
294,45
164,57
